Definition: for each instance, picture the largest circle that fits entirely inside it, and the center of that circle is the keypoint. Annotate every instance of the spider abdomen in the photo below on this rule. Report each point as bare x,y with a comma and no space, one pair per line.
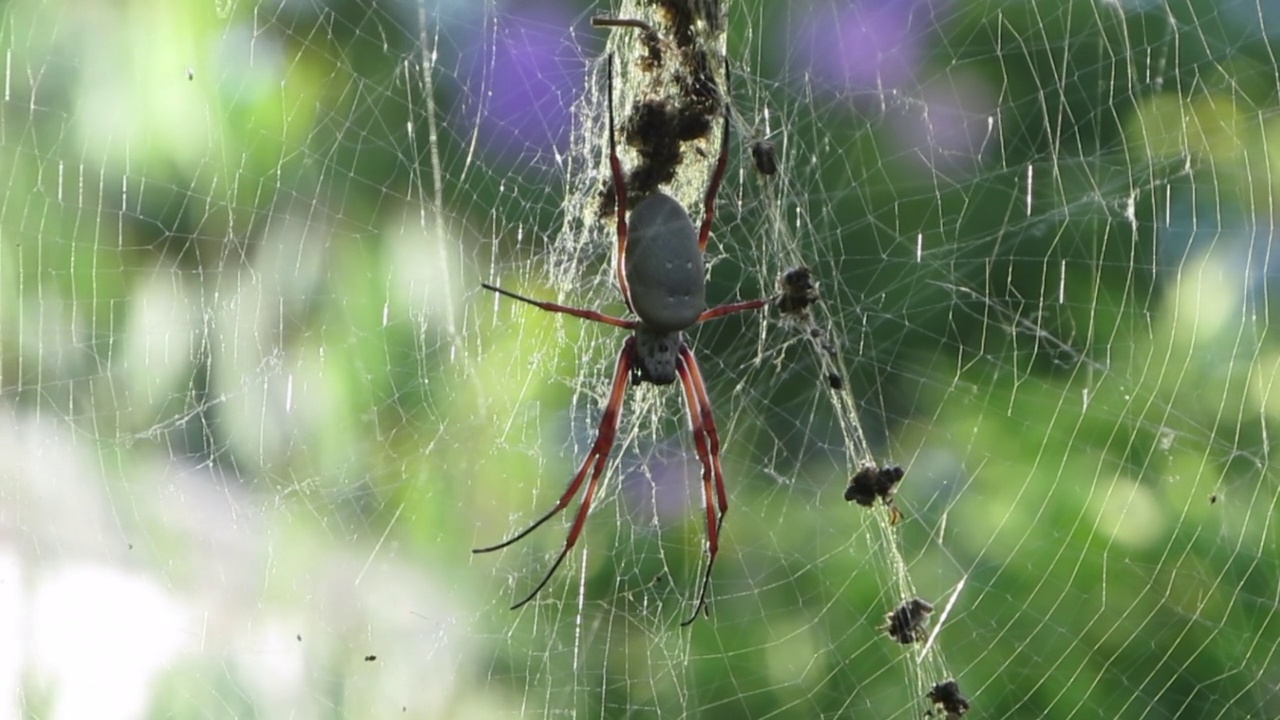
664,265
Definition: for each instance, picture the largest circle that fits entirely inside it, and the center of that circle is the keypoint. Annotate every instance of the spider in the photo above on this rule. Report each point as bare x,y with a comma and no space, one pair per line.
661,278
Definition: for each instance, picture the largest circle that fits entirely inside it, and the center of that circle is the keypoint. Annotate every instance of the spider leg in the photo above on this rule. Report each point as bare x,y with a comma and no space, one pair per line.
555,307
596,461
707,444
709,424
620,191
709,202
731,308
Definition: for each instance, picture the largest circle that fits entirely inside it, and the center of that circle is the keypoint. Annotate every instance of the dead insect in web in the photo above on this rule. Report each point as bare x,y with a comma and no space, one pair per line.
765,156
796,291
1213,498
906,622
871,483
947,694
835,381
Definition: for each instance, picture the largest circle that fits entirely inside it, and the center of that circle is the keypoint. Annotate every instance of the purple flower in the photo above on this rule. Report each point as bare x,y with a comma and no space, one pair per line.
520,77
662,487
867,44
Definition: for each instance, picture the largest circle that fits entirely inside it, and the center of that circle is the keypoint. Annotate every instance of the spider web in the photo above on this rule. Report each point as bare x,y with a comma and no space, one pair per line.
255,409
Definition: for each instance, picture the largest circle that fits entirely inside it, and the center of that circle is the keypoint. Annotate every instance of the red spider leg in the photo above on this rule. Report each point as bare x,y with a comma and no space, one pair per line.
709,202
697,413
555,307
620,193
709,425
600,454
731,308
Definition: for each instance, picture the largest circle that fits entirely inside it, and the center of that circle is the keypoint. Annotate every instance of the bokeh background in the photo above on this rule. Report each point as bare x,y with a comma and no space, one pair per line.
255,410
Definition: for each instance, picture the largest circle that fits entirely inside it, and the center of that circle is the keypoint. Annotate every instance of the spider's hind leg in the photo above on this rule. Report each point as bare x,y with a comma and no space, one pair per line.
597,460
707,443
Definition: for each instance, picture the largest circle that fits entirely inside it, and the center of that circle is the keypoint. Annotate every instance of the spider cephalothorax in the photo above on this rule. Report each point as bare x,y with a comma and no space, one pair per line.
662,277
657,355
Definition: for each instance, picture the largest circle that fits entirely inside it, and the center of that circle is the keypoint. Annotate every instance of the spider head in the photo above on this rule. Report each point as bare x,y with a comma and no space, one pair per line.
656,355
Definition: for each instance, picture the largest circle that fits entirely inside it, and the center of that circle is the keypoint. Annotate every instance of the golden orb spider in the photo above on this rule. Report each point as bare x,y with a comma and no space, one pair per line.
661,277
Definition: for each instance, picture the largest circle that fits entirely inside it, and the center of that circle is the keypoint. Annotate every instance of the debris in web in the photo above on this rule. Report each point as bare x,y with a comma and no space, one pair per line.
872,483
680,103
687,17
947,695
649,37
906,622
765,156
796,292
